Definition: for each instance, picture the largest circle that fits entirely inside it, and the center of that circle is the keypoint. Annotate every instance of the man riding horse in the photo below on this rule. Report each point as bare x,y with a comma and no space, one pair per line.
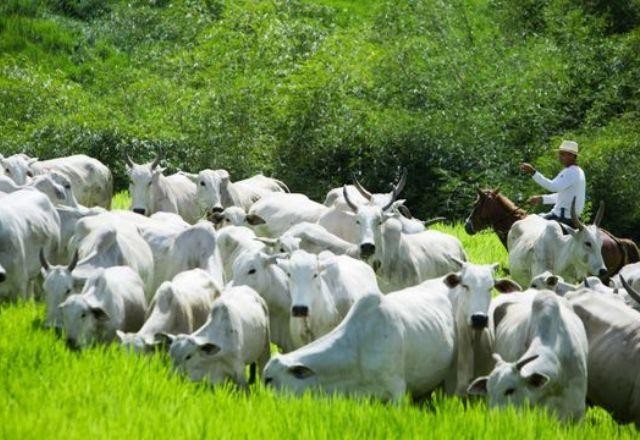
494,210
570,184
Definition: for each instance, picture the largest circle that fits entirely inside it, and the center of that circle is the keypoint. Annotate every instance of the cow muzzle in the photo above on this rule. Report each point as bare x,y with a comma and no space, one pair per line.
140,211
300,311
216,209
468,227
72,344
479,321
602,273
367,249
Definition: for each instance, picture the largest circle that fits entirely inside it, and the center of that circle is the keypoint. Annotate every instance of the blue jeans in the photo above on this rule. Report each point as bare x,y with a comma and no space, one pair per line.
563,219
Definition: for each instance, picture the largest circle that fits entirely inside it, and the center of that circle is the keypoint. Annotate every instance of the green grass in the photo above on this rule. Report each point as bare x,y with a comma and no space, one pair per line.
47,391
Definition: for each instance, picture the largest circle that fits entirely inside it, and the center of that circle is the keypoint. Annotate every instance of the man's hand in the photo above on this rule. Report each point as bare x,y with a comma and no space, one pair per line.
535,200
527,168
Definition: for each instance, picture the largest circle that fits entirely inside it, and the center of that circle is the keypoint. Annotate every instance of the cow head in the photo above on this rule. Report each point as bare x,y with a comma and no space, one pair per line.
258,270
514,383
199,359
143,177
281,245
211,189
474,284
233,216
588,243
18,167
58,284
56,192
546,281
304,274
83,322
283,373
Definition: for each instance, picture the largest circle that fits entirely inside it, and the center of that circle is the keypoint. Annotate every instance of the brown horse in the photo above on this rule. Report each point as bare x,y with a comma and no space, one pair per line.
494,210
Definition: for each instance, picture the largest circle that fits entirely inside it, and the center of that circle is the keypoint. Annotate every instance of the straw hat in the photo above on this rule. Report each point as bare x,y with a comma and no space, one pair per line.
569,147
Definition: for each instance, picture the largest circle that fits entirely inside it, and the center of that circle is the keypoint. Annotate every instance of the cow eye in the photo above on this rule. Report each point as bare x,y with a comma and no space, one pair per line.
29,174
187,357
252,271
588,244
202,184
7,170
83,315
67,186
315,275
149,184
282,250
509,391
288,274
68,292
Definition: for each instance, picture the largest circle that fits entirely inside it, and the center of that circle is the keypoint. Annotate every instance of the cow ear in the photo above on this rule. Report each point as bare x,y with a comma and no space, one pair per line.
452,280
100,314
254,219
301,371
478,387
537,380
552,280
224,175
32,161
163,339
209,348
507,286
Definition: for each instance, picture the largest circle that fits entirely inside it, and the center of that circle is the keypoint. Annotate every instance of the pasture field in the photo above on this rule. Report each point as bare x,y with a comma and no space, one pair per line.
47,391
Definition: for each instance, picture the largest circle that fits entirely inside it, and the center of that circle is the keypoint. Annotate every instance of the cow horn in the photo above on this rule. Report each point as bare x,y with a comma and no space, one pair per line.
397,189
434,220
599,214
266,240
43,260
574,217
74,261
366,194
401,183
155,162
630,290
353,207
128,160
521,363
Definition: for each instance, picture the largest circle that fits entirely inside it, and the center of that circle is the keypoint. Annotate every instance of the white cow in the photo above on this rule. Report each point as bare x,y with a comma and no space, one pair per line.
231,242
541,355
151,191
280,211
234,216
401,260
323,288
28,223
406,341
101,242
176,250
179,306
216,191
58,284
91,181
236,334
53,186
256,269
536,245
548,281
312,238
69,217
613,331
112,299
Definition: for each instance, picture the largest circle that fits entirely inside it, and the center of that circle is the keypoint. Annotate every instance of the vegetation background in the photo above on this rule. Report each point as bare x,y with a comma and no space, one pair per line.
457,91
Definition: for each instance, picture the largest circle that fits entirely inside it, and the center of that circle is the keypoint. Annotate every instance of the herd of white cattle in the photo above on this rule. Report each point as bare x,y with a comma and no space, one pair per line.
360,297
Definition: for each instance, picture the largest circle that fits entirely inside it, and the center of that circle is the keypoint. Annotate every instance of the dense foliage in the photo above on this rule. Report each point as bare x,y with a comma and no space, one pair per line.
456,91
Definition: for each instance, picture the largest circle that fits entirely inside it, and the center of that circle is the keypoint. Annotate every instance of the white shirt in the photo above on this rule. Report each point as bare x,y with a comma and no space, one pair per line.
568,184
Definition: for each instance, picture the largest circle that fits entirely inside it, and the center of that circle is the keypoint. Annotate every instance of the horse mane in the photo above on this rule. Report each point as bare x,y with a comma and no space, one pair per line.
509,206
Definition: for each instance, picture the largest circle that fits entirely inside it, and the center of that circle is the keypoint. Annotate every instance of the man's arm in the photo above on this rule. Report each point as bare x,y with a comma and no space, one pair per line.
562,181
